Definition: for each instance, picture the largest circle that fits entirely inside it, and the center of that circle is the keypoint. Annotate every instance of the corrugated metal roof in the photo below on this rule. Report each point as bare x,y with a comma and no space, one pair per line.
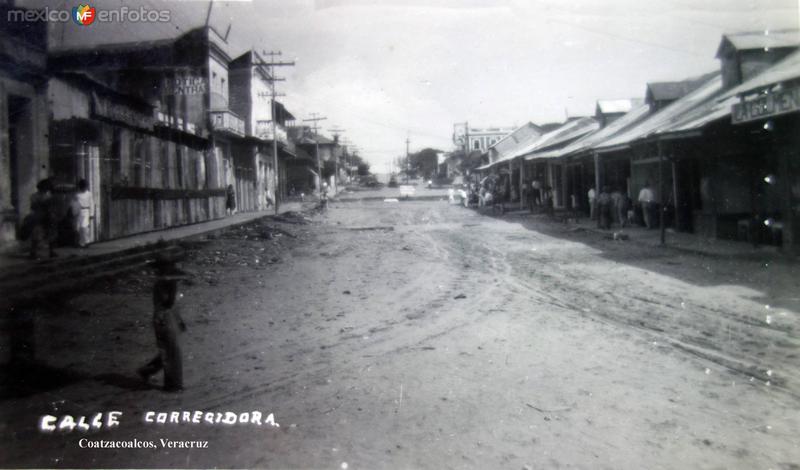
561,136
720,107
760,40
666,117
597,138
617,106
672,91
512,140
784,71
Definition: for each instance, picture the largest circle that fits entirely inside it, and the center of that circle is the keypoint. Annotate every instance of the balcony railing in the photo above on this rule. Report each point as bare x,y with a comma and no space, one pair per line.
226,121
264,132
168,120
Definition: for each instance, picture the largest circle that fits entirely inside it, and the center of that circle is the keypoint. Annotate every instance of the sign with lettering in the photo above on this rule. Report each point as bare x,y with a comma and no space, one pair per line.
766,105
185,85
105,108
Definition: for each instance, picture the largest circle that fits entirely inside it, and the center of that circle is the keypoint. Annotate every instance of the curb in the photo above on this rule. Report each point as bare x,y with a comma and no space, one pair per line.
39,281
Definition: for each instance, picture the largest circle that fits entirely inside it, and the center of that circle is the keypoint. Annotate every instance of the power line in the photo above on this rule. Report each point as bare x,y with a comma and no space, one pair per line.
274,110
315,119
624,38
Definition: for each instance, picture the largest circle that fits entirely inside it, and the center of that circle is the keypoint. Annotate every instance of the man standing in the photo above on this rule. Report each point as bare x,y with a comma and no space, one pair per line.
536,186
592,194
84,212
43,219
647,202
604,208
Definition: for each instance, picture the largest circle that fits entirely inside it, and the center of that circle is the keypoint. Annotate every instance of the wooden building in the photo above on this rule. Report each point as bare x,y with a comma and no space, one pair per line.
24,148
148,126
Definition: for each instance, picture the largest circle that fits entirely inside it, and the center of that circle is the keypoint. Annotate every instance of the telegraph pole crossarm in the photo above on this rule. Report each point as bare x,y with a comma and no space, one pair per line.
336,132
315,118
272,79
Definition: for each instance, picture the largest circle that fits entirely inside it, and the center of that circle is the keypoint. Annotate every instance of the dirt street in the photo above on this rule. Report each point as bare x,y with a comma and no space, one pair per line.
424,335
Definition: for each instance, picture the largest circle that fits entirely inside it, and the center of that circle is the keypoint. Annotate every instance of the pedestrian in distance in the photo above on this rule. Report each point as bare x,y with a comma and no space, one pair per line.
547,200
167,324
43,219
605,208
592,194
323,197
230,200
646,200
621,207
536,192
83,212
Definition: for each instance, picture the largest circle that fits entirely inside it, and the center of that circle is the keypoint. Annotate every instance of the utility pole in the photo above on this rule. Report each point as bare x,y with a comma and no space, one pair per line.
408,161
336,132
316,118
272,79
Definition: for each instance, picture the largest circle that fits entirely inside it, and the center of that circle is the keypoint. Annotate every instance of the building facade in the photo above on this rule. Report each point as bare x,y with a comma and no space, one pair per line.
24,149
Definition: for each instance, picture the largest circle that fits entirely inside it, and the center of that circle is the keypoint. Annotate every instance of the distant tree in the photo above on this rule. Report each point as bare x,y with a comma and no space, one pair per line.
363,169
469,161
425,162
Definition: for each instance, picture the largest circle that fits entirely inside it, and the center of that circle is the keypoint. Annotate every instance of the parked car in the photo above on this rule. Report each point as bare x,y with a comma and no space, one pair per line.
369,181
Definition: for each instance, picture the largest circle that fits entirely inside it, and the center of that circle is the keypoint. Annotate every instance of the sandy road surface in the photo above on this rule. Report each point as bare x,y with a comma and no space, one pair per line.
397,335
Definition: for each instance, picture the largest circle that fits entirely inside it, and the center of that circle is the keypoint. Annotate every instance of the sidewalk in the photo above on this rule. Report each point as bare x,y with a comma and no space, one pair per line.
24,281
687,242
102,249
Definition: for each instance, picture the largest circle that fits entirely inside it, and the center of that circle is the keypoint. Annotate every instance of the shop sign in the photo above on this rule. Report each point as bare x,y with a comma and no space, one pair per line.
767,105
107,109
185,86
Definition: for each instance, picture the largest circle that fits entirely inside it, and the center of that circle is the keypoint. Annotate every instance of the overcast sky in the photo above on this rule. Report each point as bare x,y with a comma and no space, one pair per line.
385,70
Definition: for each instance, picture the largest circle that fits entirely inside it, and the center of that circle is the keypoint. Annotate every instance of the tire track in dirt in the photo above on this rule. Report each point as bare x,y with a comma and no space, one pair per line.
567,288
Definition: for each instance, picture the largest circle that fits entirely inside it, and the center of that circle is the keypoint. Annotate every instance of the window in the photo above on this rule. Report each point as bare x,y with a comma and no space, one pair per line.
116,157
201,170
136,169
476,144
191,168
178,166
165,182
148,162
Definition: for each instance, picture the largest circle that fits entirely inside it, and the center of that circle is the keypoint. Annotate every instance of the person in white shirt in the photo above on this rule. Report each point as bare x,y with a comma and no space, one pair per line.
83,204
592,202
647,201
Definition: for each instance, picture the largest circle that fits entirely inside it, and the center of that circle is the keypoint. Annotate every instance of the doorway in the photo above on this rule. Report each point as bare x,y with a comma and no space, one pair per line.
20,145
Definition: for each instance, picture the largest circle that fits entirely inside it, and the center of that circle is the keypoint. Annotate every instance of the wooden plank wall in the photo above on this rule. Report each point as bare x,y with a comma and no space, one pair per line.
132,216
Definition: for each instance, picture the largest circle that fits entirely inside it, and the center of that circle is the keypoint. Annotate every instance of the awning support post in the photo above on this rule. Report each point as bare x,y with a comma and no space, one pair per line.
661,193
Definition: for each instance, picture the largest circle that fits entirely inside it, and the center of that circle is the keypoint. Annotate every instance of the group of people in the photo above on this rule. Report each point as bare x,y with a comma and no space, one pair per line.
610,206
42,224
538,195
614,206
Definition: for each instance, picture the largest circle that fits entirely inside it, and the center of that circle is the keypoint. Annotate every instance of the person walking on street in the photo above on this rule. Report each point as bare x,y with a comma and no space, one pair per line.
83,210
167,323
647,202
43,219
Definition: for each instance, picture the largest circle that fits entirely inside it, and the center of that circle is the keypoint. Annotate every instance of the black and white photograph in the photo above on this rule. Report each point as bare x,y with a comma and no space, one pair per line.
400,234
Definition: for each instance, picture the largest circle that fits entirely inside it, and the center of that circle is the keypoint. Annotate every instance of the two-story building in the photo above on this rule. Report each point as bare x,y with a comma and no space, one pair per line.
148,126
266,145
